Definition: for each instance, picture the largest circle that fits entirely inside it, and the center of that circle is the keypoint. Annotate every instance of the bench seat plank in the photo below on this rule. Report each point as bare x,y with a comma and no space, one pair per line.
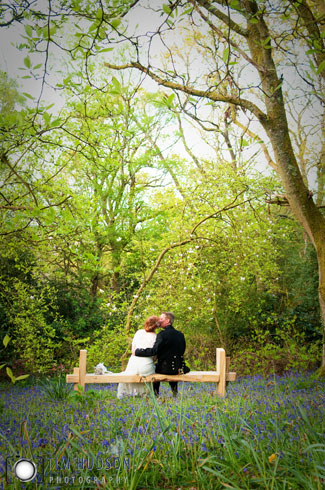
193,376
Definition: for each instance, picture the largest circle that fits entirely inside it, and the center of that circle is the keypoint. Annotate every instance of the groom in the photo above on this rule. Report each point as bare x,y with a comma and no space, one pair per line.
169,348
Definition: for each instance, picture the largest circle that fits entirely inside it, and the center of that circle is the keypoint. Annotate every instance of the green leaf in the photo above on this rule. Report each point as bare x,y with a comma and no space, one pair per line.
116,84
93,27
10,374
312,66
35,212
266,43
170,99
29,30
234,4
2,366
115,22
188,11
312,51
166,9
225,55
46,117
23,376
277,87
53,30
28,95
253,21
56,122
76,6
6,340
45,32
38,66
320,68
105,50
27,62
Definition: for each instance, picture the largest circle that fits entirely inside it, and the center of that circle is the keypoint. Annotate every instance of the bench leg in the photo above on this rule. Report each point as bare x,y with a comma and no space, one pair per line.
221,370
76,372
82,367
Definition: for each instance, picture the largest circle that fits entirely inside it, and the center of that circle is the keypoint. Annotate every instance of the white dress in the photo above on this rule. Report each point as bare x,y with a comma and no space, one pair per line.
138,365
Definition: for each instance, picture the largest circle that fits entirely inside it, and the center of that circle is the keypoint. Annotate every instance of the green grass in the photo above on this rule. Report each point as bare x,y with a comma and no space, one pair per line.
266,434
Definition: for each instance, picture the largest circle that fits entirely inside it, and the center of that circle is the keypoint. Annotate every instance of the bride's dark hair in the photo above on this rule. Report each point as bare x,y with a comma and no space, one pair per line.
151,323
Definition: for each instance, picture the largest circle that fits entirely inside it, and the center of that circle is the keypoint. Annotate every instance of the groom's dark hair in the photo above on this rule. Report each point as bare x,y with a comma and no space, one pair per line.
170,316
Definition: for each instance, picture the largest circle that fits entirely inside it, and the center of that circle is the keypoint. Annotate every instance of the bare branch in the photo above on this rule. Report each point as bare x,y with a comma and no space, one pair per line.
194,158
250,133
227,38
214,95
223,17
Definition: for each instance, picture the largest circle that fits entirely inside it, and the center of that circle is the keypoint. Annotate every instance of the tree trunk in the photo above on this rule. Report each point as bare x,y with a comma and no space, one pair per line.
94,286
321,168
321,294
116,264
276,126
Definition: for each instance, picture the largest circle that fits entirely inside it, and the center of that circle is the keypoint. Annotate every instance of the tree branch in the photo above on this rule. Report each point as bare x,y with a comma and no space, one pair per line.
214,95
187,148
225,208
257,138
148,279
227,38
5,160
191,238
223,17
312,27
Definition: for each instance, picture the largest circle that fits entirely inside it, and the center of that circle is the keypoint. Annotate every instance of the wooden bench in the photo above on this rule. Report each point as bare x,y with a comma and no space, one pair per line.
220,376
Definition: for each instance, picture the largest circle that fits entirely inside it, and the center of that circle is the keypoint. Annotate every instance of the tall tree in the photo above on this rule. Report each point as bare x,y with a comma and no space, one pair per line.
251,37
112,174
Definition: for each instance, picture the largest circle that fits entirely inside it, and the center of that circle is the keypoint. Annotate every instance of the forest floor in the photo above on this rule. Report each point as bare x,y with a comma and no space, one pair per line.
266,434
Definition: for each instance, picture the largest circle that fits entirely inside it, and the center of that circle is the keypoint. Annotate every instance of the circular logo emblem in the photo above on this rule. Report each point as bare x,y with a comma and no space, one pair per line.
25,469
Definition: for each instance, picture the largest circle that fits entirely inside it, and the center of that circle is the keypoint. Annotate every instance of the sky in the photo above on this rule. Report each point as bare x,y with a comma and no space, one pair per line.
12,62
141,20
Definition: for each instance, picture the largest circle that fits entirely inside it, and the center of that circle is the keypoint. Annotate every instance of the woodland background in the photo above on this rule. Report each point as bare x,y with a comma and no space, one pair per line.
122,198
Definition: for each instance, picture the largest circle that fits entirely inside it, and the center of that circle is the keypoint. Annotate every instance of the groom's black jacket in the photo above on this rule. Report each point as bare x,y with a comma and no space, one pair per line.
169,348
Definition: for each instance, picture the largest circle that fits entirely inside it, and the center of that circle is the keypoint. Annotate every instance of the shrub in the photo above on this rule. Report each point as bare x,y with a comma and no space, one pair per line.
108,347
32,337
284,351
200,352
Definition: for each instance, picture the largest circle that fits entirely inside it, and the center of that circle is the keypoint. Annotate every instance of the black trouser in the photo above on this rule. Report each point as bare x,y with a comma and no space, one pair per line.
172,384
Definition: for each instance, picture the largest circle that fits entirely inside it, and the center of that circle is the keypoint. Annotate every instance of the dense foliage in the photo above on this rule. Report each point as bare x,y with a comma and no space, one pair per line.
238,266
109,213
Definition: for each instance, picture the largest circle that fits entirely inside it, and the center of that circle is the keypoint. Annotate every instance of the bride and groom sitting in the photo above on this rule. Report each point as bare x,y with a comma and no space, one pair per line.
168,346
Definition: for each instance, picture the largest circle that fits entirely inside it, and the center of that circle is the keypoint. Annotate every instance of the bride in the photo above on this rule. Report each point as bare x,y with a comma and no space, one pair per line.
143,366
